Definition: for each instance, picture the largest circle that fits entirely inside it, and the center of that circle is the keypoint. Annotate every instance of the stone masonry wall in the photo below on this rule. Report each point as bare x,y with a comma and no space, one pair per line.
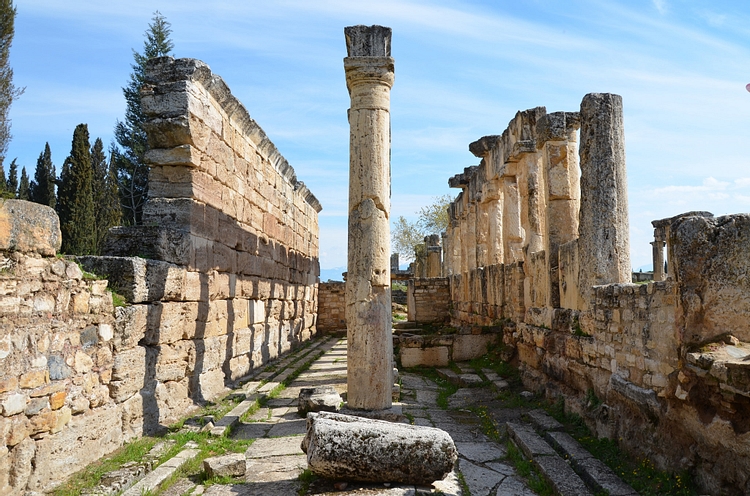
220,279
428,300
332,306
236,234
665,359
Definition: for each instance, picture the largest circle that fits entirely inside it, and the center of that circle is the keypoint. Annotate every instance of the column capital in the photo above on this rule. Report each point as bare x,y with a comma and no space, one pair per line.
369,71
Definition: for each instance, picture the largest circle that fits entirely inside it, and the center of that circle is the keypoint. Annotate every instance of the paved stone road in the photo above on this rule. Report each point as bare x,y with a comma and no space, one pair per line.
275,459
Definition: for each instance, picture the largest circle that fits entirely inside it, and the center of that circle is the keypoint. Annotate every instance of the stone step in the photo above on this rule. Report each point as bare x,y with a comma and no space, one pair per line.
558,473
258,390
153,479
596,474
592,471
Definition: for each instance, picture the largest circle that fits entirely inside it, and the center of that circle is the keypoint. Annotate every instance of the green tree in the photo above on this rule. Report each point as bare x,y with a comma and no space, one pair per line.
130,135
43,185
408,237
105,192
75,199
24,192
4,185
11,185
8,91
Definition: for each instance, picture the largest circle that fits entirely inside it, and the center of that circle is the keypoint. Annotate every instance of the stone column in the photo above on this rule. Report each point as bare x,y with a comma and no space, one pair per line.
369,78
557,141
604,240
660,237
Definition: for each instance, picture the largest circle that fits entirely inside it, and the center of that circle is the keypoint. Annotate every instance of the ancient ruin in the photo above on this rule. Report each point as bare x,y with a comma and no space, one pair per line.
369,78
222,278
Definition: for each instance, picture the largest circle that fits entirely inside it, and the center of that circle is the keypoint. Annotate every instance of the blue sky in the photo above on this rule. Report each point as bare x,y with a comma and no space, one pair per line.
462,71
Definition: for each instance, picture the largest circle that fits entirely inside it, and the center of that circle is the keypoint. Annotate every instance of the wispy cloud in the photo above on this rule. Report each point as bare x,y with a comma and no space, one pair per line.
661,6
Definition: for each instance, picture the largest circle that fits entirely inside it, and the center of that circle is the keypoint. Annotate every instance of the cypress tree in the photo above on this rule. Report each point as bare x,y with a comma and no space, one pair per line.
11,185
3,184
75,200
8,91
24,192
105,192
43,185
130,135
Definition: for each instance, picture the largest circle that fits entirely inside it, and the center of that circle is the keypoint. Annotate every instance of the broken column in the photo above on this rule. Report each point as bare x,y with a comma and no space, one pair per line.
603,243
369,78
433,266
353,448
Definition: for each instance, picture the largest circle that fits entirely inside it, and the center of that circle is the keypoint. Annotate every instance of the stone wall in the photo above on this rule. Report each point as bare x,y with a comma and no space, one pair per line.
542,250
220,279
57,348
332,307
428,300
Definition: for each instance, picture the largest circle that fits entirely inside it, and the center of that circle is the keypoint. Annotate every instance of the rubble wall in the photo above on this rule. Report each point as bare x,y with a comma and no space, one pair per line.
659,366
57,356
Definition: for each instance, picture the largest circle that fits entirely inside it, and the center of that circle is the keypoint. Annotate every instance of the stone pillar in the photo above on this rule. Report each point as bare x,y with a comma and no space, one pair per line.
557,140
369,78
512,231
660,238
434,256
394,263
604,241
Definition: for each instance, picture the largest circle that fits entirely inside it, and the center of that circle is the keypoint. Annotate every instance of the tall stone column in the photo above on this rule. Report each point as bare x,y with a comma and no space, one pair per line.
604,238
369,77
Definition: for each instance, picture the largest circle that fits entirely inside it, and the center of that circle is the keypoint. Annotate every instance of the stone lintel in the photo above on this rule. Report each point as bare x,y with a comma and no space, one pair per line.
557,126
481,147
368,41
521,148
661,223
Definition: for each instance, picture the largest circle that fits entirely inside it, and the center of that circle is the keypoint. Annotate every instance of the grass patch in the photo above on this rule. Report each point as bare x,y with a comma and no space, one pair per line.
489,427
306,478
445,388
526,469
399,317
91,475
117,299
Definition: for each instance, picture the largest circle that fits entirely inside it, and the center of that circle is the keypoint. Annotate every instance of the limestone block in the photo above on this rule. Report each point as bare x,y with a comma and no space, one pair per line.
168,322
232,465
437,356
467,347
130,326
210,385
13,404
172,401
29,228
129,373
184,155
256,312
86,439
318,399
352,448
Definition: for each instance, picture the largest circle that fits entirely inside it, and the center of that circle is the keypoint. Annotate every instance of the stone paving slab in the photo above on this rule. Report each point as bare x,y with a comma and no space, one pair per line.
267,447
293,428
543,421
481,452
276,468
481,481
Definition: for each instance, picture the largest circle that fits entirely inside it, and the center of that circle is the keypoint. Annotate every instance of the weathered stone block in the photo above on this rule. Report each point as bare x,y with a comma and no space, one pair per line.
352,448
87,438
318,399
29,228
233,465
437,356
